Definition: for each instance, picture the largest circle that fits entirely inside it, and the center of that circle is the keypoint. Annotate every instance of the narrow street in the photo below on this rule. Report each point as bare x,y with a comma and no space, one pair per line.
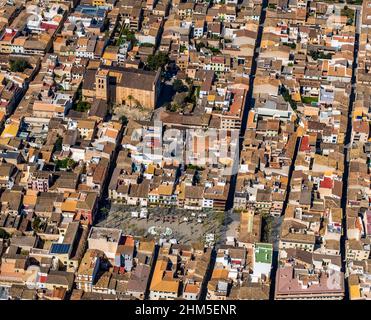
347,146
249,98
276,229
249,101
103,200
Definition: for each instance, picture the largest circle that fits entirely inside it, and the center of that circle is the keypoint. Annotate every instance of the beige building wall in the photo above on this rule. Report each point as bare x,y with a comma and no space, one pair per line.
146,99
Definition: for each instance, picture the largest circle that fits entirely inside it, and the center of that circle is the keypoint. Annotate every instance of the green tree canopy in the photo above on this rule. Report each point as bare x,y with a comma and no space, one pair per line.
3,234
66,163
158,60
19,65
83,106
58,144
124,120
178,85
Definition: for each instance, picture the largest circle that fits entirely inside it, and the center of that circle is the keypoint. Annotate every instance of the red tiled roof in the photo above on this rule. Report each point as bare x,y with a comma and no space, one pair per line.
304,144
326,183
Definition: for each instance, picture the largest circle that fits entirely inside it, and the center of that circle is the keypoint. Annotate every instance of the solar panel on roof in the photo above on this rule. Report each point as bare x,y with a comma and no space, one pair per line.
59,248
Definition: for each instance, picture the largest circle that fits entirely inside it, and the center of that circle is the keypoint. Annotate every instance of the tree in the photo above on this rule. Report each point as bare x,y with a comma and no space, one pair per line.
192,95
292,45
182,48
128,35
147,44
180,98
287,97
124,120
214,50
104,212
58,144
130,98
200,45
267,227
66,163
349,13
189,81
83,106
78,95
195,167
36,223
70,163
158,60
172,107
196,178
178,85
19,65
3,234
138,104
320,55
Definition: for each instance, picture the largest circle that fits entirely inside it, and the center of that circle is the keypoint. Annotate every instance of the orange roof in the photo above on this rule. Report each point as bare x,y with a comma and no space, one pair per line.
192,288
111,133
57,18
20,41
58,39
31,192
29,200
129,241
158,283
354,292
171,286
69,205
238,102
86,124
250,119
165,190
220,274
150,169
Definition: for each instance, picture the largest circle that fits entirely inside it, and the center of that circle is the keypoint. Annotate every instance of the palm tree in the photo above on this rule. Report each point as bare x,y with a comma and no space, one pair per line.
130,98
137,104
